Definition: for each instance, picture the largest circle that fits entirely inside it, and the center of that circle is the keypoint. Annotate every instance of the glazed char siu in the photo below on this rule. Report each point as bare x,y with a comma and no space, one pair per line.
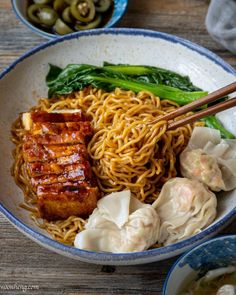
56,157
34,151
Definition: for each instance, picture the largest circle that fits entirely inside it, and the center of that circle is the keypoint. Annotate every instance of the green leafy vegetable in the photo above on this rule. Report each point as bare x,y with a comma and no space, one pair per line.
53,73
154,75
166,92
76,77
67,80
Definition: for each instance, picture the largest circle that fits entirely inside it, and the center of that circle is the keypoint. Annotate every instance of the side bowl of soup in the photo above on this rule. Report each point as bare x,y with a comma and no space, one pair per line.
209,268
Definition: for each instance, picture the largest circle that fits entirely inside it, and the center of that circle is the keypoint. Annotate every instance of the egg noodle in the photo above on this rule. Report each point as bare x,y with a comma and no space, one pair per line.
127,150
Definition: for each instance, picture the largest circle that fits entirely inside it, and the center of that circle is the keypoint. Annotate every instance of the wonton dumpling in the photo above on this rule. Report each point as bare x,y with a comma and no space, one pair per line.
197,165
120,224
218,272
210,159
227,290
101,240
185,207
141,230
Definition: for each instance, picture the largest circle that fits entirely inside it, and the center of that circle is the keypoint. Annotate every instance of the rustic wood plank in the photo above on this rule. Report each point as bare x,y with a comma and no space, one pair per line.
23,262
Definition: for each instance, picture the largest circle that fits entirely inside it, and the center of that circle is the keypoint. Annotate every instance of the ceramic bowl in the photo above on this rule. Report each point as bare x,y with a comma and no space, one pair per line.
19,7
23,83
212,254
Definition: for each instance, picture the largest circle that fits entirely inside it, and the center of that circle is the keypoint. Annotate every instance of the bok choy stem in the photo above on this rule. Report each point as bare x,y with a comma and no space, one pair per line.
163,91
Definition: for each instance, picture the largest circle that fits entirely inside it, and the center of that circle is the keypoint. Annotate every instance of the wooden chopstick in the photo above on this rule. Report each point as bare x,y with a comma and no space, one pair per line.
213,96
203,113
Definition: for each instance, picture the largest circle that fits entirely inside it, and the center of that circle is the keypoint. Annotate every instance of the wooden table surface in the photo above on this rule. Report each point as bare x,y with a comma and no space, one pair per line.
23,262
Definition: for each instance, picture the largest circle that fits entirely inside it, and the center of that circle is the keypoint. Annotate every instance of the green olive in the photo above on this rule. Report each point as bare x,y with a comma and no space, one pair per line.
83,10
42,1
59,5
94,24
66,15
61,28
102,5
69,2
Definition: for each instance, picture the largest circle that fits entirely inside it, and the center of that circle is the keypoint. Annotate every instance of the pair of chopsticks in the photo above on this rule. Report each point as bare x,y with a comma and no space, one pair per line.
200,102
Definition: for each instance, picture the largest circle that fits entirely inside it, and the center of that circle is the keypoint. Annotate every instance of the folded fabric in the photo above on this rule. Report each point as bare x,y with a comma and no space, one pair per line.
221,22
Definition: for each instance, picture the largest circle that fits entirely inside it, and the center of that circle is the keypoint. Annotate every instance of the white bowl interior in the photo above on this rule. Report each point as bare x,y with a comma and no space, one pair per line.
25,84
179,279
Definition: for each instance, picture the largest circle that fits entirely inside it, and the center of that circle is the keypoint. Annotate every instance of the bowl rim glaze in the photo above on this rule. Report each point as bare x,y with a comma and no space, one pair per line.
114,19
189,252
123,258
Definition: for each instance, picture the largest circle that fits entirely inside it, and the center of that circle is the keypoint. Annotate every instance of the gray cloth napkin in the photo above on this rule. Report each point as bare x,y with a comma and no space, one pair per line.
221,22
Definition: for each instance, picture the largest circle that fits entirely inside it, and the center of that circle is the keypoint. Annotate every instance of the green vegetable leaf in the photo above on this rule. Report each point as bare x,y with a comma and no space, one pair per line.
53,73
154,75
76,77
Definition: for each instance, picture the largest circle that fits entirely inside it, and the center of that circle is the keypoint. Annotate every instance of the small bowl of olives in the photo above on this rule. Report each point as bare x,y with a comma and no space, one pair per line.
54,18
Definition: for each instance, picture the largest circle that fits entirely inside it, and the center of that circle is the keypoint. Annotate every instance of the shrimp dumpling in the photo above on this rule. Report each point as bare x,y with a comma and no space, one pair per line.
196,164
210,159
185,207
227,290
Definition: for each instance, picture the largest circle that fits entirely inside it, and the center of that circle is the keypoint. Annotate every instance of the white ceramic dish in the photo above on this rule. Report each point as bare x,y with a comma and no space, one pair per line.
22,84
215,253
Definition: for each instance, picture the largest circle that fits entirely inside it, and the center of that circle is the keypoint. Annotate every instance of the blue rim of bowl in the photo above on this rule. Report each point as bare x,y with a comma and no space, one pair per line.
221,237
119,11
107,257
